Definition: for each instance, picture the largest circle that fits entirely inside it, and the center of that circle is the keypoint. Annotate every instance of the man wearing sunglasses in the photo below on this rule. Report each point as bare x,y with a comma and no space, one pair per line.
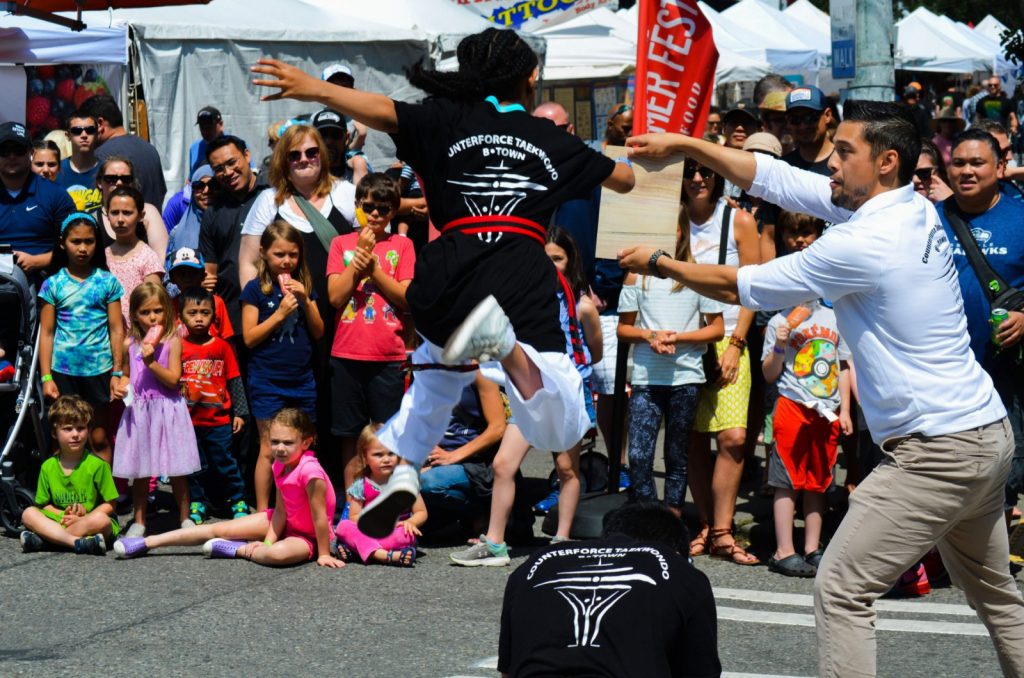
808,117
886,264
78,172
31,208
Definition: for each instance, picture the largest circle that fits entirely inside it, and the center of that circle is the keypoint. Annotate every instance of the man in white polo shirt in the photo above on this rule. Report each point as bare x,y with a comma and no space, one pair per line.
886,266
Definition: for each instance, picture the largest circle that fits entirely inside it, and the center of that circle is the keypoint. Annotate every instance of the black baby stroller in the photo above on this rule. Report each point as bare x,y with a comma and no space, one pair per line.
22,419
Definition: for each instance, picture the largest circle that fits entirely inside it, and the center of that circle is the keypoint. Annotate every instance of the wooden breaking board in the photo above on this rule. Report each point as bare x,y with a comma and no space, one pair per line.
648,214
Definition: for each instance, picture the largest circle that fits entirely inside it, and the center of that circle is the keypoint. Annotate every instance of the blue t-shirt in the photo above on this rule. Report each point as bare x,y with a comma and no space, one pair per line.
81,186
30,221
284,360
1000,235
81,340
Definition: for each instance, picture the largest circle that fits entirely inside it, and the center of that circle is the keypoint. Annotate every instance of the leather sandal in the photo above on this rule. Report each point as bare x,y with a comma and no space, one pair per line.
701,544
732,552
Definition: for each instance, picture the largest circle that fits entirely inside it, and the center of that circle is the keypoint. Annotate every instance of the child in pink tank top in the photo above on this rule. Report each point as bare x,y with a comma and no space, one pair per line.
398,548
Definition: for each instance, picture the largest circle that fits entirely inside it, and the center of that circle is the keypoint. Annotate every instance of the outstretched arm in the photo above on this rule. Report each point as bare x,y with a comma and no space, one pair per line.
714,282
737,166
373,110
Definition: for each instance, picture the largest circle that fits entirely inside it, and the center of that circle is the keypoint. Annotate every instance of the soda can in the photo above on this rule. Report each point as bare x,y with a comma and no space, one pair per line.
995,320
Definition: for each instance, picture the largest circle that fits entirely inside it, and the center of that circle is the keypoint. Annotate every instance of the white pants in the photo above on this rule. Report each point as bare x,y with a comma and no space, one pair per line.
553,419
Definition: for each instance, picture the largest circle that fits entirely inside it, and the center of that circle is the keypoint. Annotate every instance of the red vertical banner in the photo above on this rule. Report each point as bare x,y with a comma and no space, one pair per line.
675,68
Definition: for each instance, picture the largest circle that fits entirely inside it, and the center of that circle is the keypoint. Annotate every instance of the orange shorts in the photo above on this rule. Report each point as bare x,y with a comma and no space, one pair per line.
805,449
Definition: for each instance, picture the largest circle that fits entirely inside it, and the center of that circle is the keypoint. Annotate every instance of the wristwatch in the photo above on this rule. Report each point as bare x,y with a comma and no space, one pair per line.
652,263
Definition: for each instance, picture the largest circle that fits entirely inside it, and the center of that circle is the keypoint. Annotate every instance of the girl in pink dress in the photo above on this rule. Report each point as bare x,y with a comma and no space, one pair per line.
155,437
398,548
296,530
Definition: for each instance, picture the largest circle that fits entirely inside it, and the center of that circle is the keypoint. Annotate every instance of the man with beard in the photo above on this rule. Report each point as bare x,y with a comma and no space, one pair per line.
886,265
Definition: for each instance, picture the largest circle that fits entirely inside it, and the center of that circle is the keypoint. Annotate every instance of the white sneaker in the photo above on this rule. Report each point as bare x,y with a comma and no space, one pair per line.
136,530
187,523
485,335
379,518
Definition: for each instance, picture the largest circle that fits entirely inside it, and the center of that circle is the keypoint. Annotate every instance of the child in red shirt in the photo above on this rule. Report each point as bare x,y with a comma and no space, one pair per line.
186,269
367,275
212,387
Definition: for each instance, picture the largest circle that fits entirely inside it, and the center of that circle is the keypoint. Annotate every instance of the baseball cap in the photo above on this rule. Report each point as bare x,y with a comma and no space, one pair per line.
329,118
208,114
763,142
744,108
186,256
911,93
806,97
337,69
774,101
15,132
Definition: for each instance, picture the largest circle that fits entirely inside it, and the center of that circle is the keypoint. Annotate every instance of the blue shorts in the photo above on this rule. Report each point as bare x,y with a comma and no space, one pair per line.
588,400
267,398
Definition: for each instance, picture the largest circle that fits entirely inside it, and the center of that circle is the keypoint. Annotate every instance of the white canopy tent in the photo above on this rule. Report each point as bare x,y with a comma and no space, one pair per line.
788,47
809,15
589,47
190,58
991,27
27,42
930,43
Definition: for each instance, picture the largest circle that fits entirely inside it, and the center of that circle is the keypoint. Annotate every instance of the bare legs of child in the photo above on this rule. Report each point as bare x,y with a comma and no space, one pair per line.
545,394
140,502
263,480
71,536
239,538
786,560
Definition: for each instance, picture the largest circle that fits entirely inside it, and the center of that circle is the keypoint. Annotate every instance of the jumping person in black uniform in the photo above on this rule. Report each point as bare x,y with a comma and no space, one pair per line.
484,290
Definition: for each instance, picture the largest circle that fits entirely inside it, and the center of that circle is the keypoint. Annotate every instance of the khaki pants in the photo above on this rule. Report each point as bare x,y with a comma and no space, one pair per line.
948,491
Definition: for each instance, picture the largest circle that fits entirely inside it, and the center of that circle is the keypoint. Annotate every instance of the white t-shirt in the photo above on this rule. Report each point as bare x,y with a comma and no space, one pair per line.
659,308
888,271
706,241
810,375
342,197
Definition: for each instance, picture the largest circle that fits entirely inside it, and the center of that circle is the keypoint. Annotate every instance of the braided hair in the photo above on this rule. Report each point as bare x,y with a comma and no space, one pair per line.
491,63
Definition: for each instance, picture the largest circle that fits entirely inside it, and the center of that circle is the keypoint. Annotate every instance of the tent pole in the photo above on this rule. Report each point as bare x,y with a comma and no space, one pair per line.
17,8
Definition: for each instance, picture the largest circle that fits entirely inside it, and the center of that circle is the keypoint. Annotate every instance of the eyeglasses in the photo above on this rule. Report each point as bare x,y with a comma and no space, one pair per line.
8,150
203,186
993,85
691,169
117,179
924,173
804,119
224,167
90,130
312,153
382,209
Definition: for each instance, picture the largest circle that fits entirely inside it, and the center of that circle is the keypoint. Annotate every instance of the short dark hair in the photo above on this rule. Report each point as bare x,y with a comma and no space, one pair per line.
648,521
225,140
379,186
887,127
195,295
46,145
103,106
79,114
772,82
787,219
978,134
993,127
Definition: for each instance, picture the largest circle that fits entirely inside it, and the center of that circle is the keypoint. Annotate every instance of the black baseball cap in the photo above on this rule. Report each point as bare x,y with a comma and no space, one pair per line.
208,114
329,118
744,108
15,132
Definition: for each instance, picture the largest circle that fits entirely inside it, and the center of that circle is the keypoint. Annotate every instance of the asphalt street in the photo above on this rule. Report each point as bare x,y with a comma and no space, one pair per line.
176,613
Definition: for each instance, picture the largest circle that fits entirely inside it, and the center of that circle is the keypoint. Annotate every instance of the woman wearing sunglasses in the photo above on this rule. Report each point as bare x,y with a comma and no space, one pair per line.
930,174
115,172
186,232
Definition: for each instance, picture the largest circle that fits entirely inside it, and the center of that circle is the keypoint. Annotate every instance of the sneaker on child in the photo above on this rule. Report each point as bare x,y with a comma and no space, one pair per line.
547,503
130,547
197,512
239,509
31,542
482,554
136,530
94,545
222,548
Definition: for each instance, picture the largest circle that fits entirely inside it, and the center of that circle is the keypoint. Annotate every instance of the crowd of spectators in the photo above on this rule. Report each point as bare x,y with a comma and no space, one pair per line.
282,288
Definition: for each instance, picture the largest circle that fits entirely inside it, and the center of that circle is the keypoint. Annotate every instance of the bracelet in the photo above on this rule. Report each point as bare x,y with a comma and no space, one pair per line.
776,349
738,342
267,542
117,373
46,377
624,160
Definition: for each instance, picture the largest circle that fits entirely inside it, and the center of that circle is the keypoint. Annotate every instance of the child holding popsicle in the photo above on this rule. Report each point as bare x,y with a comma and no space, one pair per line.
804,353
367,275
155,437
279,326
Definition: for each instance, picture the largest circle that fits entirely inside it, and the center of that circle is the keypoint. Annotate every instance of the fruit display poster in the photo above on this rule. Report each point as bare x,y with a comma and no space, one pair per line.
55,92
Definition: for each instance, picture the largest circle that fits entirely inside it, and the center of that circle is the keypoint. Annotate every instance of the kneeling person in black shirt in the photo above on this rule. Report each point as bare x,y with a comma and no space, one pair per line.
627,604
